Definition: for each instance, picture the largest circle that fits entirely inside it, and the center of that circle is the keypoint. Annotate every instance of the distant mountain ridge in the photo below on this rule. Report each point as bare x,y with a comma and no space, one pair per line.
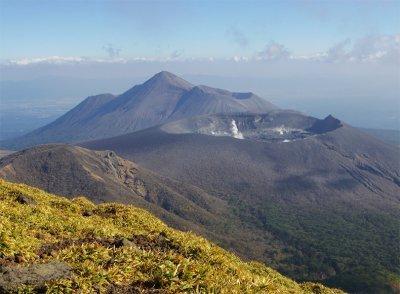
164,97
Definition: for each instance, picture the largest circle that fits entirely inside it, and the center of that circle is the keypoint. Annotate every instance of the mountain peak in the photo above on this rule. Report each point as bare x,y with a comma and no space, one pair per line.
165,73
164,97
327,124
168,78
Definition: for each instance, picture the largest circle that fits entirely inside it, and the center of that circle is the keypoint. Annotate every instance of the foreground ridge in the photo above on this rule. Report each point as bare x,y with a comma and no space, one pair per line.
51,244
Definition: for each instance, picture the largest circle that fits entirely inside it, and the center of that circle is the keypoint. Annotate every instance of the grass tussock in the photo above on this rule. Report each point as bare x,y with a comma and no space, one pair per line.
114,248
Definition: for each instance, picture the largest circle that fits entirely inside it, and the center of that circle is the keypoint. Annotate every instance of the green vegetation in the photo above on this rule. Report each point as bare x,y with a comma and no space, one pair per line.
358,251
116,248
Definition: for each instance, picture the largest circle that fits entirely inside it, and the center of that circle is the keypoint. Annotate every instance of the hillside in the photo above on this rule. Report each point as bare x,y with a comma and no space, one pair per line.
388,136
164,97
71,171
51,244
324,195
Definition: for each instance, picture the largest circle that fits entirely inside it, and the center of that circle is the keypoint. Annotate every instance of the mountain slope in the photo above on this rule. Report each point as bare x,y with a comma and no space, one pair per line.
51,244
325,195
207,100
388,136
72,171
4,153
162,98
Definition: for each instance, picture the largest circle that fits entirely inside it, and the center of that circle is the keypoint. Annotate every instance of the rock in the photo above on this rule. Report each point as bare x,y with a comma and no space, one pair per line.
87,213
110,154
18,258
123,242
35,275
111,210
23,199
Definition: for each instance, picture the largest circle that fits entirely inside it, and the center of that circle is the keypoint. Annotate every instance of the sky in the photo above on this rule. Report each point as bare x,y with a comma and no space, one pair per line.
187,29
320,57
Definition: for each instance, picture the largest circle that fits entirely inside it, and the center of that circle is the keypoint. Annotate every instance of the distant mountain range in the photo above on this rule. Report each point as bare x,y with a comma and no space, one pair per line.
314,198
165,97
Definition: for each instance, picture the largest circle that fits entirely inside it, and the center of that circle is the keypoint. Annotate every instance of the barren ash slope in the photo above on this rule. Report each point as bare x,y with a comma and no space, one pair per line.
164,97
50,244
325,195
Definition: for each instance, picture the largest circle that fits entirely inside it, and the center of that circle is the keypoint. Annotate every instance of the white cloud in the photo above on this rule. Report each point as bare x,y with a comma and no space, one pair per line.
175,55
319,56
338,52
238,58
274,51
370,49
64,60
374,48
48,59
378,47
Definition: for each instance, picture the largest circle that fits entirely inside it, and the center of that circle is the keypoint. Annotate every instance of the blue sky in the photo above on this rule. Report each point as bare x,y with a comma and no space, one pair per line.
186,29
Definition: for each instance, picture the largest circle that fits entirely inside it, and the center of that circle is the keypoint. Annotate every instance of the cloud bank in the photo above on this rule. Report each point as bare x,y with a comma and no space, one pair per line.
384,48
369,49
274,51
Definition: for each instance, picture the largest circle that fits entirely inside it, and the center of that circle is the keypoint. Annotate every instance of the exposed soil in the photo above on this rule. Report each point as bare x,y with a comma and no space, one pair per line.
12,277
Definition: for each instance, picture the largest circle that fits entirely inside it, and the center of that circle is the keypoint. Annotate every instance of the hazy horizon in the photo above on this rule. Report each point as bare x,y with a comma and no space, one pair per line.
317,57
